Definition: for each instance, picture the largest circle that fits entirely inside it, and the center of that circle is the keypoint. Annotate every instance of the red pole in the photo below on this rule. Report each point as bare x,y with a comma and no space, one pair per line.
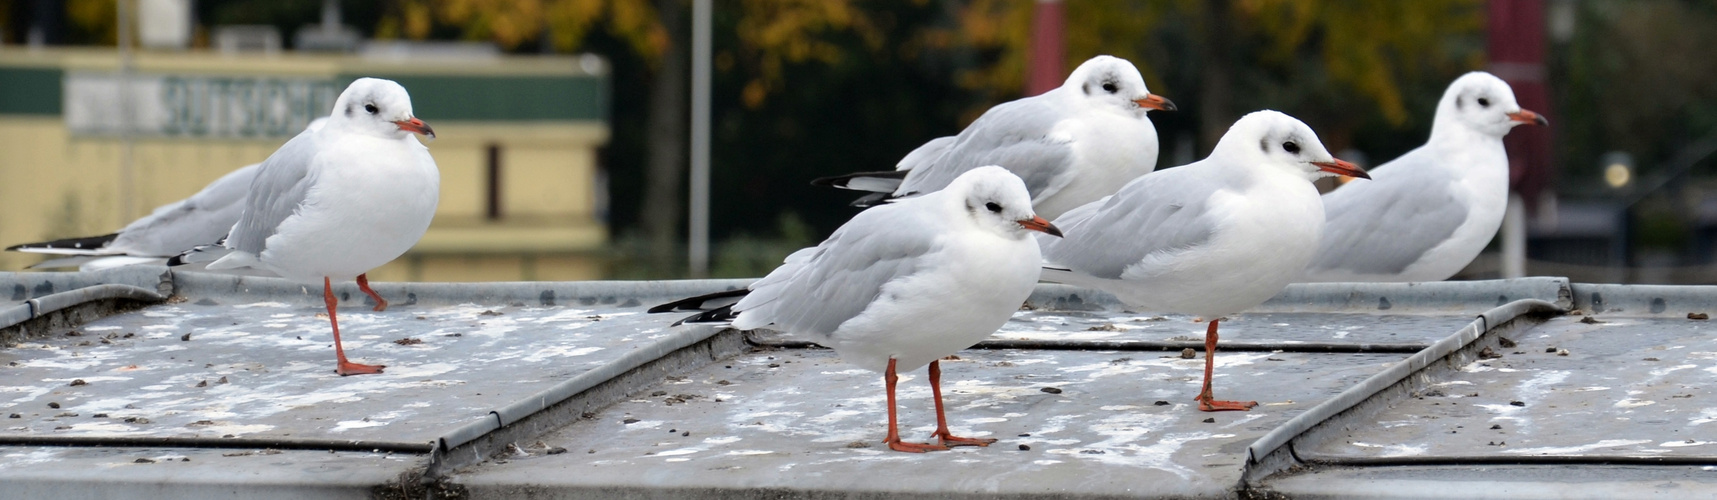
1516,45
1044,66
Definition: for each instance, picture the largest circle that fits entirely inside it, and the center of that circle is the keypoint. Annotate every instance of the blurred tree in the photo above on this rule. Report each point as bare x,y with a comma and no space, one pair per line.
93,21
1250,54
1635,78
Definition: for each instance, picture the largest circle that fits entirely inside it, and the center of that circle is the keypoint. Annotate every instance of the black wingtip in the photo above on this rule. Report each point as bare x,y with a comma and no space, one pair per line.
697,303
723,314
840,181
79,243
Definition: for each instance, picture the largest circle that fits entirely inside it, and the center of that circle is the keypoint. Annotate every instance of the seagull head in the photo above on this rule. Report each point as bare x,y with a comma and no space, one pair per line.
1275,139
997,200
378,107
1113,81
1485,103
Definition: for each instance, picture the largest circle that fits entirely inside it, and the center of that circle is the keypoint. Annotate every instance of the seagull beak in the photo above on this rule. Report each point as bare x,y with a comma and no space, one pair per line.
1156,102
1036,223
1341,167
416,125
1528,117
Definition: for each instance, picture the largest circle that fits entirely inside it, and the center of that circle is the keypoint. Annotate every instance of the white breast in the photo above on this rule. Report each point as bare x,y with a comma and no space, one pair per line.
362,212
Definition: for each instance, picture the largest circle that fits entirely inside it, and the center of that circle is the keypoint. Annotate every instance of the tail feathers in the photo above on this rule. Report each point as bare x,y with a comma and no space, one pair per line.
74,261
98,262
720,316
871,200
877,182
88,245
205,254
712,308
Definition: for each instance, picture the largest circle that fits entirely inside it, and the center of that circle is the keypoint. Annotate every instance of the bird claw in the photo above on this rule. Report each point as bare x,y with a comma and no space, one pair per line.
915,447
950,440
347,368
1214,405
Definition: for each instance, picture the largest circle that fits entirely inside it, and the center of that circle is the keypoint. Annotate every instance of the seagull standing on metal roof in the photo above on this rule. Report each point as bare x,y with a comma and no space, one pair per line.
171,229
338,202
1076,143
902,285
1214,237
1428,213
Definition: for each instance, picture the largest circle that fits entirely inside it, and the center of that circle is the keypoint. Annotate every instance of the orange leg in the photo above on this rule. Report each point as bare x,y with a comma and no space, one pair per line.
1205,401
364,284
345,367
942,434
893,440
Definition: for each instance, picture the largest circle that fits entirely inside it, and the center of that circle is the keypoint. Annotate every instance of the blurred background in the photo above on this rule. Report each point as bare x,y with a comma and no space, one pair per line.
564,124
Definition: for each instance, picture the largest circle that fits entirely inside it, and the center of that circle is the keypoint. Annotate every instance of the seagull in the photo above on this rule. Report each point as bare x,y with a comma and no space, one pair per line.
1211,238
337,202
168,231
902,285
1071,145
1431,211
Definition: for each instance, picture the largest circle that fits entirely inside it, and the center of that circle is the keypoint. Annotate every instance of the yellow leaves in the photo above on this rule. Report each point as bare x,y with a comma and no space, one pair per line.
505,22
775,33
511,23
96,16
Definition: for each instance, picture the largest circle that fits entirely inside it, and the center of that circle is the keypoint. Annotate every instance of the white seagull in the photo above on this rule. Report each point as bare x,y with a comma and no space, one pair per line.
171,229
902,285
1071,145
338,202
1427,214
1211,238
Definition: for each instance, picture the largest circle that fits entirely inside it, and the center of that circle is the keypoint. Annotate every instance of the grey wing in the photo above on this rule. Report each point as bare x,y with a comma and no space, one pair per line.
202,219
1383,227
1162,213
820,288
1014,135
926,153
282,183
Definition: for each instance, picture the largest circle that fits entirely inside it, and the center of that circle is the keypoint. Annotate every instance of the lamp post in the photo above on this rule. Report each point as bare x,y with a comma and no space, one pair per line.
1618,172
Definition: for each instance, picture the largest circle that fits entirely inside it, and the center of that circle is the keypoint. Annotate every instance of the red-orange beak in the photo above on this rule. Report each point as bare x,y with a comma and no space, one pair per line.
1156,102
1528,117
1036,223
416,125
1341,167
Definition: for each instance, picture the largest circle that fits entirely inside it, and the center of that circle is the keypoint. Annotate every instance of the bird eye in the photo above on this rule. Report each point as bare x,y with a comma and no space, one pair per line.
1291,148
1484,102
993,207
370,108
1110,87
